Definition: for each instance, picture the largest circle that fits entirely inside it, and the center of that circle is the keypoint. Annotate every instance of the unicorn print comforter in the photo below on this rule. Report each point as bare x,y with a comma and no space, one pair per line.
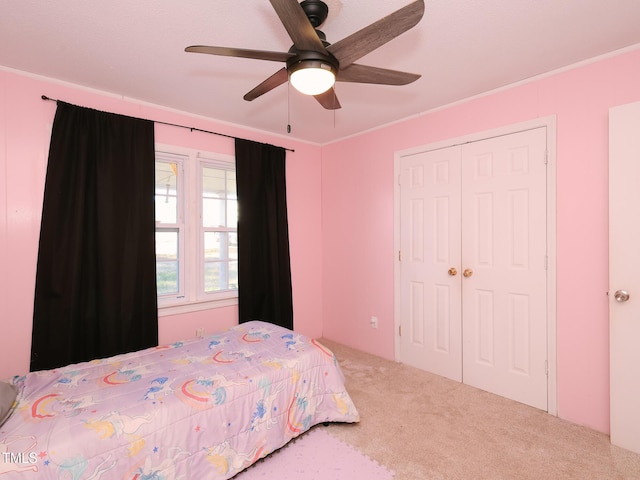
205,408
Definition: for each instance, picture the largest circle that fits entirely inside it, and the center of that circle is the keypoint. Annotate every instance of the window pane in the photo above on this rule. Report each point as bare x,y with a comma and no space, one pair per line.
215,246
233,275
215,276
214,182
167,266
220,276
219,199
231,184
213,213
167,277
233,247
167,245
166,192
220,246
232,213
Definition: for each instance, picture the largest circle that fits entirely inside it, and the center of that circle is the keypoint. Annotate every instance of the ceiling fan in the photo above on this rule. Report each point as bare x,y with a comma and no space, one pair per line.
313,64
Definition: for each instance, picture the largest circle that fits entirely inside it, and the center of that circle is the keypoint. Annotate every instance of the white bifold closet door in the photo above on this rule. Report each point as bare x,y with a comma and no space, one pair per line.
473,269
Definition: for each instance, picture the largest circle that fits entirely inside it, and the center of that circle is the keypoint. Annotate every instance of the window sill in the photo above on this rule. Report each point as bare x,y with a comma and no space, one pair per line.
164,311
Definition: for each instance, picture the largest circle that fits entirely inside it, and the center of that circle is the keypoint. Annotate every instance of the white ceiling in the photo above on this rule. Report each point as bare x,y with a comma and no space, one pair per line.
461,48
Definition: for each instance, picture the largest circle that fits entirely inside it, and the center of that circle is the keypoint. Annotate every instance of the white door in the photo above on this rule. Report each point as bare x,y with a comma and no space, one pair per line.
504,255
473,278
624,260
430,245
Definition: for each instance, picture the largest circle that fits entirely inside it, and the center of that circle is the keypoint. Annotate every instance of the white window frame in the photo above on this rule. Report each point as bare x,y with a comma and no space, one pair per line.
180,226
222,162
192,297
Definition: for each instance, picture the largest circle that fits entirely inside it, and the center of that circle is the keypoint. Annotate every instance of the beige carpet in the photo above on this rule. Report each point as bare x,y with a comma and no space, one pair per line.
427,427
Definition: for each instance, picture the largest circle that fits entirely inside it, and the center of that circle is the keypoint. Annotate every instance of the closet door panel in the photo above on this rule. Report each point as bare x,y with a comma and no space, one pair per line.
504,256
430,246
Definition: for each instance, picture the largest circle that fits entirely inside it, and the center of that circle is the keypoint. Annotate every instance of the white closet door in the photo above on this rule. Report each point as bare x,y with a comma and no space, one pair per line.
504,266
430,243
473,269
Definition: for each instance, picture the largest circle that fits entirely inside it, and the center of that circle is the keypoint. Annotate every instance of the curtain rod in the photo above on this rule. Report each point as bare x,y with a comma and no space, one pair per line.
193,129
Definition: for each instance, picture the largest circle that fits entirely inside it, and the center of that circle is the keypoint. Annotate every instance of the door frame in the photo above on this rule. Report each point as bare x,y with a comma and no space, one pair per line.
550,124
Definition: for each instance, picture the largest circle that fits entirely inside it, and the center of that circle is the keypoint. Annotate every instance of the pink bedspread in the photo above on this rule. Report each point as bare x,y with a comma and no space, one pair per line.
205,408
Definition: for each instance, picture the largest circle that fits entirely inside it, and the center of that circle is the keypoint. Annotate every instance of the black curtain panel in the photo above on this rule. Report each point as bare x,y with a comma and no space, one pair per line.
95,292
264,267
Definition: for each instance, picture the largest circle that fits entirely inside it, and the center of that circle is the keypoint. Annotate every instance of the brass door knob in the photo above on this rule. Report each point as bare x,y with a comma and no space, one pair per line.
453,272
621,296
467,272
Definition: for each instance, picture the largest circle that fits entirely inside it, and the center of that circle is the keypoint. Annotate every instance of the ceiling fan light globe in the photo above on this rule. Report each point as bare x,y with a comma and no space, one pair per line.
313,80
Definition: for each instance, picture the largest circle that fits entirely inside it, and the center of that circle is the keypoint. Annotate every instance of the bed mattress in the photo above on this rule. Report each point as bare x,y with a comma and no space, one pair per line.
204,408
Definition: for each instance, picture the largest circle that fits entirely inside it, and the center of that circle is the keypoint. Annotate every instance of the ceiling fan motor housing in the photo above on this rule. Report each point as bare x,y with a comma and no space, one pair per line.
311,59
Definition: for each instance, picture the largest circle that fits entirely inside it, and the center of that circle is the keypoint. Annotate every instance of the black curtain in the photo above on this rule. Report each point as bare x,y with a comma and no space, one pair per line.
264,268
95,292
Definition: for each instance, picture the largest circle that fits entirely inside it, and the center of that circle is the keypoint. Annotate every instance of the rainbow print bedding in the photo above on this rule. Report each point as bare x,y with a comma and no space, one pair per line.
205,408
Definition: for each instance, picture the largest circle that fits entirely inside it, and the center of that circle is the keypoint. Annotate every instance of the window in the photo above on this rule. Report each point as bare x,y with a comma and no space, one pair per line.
169,224
219,226
196,230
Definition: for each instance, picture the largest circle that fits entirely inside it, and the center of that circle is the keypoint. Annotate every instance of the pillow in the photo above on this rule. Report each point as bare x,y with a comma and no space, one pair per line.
8,394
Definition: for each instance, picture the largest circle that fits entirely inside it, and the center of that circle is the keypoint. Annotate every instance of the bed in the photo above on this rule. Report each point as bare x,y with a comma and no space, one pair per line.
204,408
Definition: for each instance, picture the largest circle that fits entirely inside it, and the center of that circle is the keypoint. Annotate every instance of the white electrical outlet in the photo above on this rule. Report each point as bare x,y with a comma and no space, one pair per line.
374,322
200,332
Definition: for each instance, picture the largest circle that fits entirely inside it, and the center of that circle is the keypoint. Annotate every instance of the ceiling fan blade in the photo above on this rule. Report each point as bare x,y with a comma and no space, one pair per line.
357,45
275,80
298,26
240,52
329,100
381,76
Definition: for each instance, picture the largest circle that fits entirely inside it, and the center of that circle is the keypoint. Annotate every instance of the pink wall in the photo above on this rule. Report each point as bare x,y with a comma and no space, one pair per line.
342,226
25,129
358,222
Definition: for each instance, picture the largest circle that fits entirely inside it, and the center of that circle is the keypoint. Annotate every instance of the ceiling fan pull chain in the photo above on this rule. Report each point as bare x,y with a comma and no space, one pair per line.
288,107
335,100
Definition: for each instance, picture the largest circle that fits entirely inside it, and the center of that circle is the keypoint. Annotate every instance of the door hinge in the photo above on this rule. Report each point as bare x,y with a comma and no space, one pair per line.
546,157
546,367
399,330
399,255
